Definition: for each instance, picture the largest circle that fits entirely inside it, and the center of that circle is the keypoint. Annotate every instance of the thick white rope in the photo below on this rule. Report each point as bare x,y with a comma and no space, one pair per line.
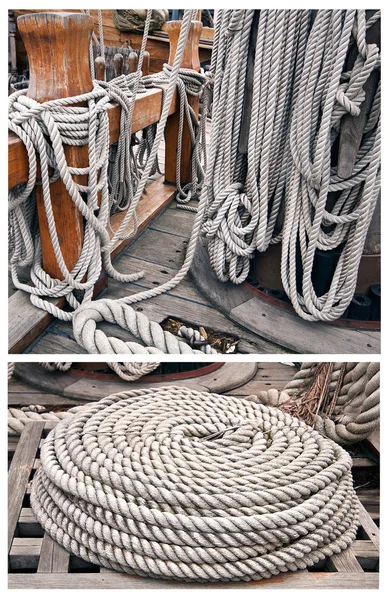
76,125
178,484
280,190
356,413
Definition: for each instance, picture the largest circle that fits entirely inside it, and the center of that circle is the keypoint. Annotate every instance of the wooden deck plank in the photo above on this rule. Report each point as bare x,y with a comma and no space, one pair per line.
25,321
157,309
53,558
274,324
155,274
369,526
122,581
303,336
19,473
345,562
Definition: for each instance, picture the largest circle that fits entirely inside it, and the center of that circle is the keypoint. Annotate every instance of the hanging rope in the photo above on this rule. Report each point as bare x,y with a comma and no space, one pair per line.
279,186
244,193
178,484
62,123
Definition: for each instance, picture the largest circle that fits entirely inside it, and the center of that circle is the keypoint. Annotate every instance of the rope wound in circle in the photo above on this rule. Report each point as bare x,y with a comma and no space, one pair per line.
178,484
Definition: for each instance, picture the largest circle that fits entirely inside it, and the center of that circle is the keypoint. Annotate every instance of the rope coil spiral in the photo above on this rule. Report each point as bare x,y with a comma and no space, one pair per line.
174,483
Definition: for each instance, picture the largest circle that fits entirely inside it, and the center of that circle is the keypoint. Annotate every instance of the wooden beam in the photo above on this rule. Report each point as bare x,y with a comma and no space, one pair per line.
64,37
27,322
19,473
147,110
190,60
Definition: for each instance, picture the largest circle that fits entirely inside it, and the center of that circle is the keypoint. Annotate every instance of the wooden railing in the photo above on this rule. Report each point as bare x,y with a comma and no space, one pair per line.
57,46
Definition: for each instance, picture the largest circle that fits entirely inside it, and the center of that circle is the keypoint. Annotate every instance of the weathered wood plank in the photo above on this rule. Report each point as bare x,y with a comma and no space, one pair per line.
369,526
373,442
345,562
157,309
274,324
53,558
156,197
19,473
122,581
291,332
25,321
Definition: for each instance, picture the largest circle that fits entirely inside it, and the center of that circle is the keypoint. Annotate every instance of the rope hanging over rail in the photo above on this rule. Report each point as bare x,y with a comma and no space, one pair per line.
64,123
340,400
279,182
177,484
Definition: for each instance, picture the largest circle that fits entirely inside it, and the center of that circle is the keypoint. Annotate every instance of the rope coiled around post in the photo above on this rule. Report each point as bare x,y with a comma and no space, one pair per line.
45,128
178,484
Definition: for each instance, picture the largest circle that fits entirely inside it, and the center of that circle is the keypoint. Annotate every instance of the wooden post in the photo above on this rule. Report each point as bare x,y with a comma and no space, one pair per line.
57,45
190,60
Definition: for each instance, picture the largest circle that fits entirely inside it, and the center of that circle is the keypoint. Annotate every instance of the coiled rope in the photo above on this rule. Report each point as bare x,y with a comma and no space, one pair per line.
178,484
280,186
340,400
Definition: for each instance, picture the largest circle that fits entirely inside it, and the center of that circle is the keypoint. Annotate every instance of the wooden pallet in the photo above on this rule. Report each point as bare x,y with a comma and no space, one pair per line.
36,561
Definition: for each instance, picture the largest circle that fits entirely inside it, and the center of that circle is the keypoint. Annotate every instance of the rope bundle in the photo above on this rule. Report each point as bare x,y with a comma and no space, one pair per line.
19,418
173,483
283,186
351,410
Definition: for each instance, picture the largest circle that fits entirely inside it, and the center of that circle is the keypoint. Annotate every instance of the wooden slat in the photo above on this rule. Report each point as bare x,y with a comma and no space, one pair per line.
19,473
53,558
369,526
345,562
122,581
147,110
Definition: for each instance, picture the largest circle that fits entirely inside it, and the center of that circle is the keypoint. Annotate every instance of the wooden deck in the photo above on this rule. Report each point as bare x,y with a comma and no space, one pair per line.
37,562
22,393
159,250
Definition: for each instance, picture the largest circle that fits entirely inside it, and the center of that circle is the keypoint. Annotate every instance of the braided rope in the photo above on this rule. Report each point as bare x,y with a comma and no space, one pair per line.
127,371
11,369
19,418
149,332
173,483
133,371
